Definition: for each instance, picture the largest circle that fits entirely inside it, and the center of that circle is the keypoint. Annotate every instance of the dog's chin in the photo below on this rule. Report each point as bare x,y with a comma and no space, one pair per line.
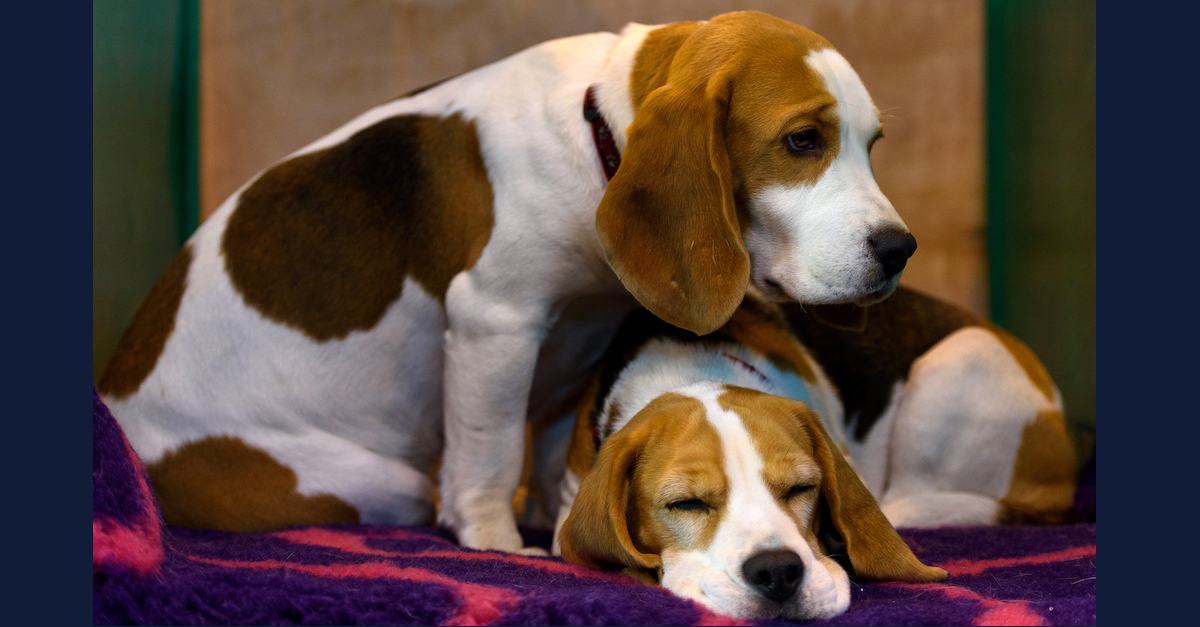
773,291
718,592
757,608
875,297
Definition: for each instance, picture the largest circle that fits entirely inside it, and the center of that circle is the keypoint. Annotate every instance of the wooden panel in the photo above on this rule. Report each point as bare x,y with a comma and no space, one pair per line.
277,74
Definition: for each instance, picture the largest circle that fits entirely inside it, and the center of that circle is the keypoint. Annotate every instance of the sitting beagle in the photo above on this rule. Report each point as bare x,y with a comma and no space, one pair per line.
715,478
411,288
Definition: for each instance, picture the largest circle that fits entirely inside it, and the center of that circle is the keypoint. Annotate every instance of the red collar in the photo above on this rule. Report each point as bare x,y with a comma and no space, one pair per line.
610,157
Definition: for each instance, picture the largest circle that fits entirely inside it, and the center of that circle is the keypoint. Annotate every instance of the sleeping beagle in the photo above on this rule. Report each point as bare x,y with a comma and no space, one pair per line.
947,418
414,286
715,477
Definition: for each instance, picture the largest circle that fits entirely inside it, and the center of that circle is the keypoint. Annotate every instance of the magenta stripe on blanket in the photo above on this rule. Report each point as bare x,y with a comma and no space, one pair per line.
343,541
974,567
480,604
126,523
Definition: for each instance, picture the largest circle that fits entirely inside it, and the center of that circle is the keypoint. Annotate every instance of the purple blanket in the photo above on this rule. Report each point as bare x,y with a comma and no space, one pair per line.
147,573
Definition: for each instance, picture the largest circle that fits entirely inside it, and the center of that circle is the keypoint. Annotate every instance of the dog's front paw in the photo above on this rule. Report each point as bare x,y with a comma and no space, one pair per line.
491,538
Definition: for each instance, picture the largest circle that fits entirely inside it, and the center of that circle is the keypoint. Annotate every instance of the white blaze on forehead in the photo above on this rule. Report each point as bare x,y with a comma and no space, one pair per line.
856,112
760,523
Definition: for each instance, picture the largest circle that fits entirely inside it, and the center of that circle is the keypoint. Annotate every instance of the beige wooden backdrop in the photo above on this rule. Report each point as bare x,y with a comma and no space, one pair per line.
277,74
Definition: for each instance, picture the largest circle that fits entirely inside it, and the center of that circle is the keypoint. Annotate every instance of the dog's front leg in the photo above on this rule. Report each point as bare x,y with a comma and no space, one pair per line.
491,351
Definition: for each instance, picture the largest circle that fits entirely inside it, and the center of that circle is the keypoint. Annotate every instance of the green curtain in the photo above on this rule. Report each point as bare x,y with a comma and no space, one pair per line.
145,192
1041,181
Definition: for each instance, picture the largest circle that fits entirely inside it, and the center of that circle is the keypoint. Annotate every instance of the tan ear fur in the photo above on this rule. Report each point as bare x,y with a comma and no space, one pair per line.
876,551
847,317
596,532
668,222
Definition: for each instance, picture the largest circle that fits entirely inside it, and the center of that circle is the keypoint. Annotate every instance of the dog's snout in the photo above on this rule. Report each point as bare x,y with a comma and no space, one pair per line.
892,247
774,574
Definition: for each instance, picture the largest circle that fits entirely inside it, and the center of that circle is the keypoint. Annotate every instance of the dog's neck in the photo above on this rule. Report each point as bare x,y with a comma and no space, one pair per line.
612,87
666,365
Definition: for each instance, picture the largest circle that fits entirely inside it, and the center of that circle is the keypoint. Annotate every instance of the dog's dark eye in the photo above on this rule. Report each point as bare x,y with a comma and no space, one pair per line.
797,490
690,505
803,141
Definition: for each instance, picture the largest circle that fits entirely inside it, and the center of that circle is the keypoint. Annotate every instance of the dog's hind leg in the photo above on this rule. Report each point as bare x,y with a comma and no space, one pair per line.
266,480
939,509
974,431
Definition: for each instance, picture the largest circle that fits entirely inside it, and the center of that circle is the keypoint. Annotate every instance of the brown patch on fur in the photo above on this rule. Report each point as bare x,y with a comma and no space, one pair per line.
782,96
865,365
222,483
684,449
652,64
138,349
667,222
1029,362
322,242
875,549
1042,489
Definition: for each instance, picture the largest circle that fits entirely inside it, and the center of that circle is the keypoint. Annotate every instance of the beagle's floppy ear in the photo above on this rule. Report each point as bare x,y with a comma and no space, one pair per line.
668,222
875,549
596,532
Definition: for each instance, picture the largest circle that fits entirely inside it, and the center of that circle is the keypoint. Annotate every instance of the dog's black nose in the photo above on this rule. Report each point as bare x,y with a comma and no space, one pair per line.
774,574
892,247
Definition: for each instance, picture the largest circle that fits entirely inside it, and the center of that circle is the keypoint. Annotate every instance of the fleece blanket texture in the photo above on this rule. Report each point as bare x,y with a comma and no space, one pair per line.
148,573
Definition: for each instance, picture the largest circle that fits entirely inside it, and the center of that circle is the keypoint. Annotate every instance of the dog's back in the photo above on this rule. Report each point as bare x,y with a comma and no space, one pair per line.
288,366
940,400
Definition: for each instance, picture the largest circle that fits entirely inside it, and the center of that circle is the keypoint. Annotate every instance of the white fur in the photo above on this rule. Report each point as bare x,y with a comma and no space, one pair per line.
957,427
665,365
813,239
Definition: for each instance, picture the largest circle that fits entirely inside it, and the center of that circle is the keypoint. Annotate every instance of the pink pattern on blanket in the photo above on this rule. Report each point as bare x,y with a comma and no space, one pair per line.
974,567
995,611
137,546
355,543
481,604
136,541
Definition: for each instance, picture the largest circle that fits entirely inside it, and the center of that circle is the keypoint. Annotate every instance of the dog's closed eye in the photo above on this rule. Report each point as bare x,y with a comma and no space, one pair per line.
798,490
690,505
